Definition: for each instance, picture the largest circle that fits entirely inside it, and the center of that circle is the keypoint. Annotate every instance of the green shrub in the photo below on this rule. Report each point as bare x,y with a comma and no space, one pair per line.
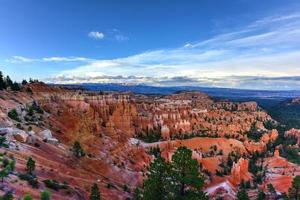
31,179
45,195
27,197
55,185
13,115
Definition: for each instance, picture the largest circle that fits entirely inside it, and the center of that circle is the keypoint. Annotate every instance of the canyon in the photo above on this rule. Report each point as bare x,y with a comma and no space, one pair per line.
119,130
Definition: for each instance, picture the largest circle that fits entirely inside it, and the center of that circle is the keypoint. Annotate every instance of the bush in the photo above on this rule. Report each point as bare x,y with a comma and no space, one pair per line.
291,154
27,197
45,195
254,133
7,196
3,142
78,150
28,90
31,179
13,115
55,185
125,188
149,137
110,185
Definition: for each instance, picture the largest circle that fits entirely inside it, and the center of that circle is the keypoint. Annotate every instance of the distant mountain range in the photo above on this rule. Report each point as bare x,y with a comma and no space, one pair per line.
214,92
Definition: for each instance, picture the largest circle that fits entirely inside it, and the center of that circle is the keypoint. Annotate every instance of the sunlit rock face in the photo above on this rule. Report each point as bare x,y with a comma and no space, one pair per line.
189,113
240,172
279,172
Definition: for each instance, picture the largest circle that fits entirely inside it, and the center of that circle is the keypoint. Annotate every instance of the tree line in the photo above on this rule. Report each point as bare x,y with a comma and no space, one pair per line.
7,83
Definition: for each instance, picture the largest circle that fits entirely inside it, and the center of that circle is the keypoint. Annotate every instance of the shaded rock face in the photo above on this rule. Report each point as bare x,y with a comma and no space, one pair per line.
295,101
294,133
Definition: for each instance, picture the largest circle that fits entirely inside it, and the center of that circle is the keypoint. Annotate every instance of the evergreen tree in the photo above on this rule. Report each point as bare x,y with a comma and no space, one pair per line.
294,191
157,186
27,197
4,173
2,82
78,150
8,81
271,189
177,180
187,179
242,195
45,195
95,193
24,82
30,165
137,195
15,86
261,195
12,164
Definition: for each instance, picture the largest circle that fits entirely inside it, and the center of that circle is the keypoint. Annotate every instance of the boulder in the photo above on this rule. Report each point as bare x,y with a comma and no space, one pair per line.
20,136
52,141
45,134
3,131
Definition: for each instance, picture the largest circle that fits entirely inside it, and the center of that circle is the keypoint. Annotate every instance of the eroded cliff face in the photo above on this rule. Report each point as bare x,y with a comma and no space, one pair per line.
190,113
101,123
240,171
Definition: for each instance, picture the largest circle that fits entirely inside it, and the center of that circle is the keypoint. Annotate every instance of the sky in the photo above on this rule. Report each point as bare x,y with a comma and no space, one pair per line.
249,44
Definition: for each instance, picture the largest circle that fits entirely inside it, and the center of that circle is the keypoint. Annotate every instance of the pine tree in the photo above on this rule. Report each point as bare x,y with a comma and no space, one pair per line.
261,195
2,82
45,195
24,82
187,179
95,193
177,180
4,173
294,191
242,195
12,164
157,185
27,197
77,150
8,81
30,165
137,195
15,86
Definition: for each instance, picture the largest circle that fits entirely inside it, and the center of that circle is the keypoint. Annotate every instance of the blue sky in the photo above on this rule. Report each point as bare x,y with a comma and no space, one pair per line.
230,43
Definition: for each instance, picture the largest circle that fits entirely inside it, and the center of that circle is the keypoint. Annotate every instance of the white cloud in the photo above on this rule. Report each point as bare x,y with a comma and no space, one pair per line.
65,59
118,35
21,59
96,35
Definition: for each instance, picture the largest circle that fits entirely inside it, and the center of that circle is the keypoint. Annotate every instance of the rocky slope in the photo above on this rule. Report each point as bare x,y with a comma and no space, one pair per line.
118,131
